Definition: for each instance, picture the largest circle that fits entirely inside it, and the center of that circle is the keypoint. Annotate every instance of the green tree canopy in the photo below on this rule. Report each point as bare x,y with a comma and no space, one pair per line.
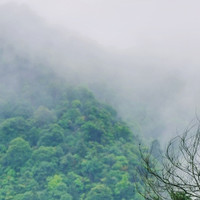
19,151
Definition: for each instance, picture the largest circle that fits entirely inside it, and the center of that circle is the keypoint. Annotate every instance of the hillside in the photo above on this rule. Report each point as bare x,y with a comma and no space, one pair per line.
59,142
146,96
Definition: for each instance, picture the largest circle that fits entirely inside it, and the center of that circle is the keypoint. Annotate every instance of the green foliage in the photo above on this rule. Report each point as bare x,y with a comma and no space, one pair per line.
54,182
100,192
53,136
18,153
93,131
44,154
180,196
43,116
60,143
124,189
13,127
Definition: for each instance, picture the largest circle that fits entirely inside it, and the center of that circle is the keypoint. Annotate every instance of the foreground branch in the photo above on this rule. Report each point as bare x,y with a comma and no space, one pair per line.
177,175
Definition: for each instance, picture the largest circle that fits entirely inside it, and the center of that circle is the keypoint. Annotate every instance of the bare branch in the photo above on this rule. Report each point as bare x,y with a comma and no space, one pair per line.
178,172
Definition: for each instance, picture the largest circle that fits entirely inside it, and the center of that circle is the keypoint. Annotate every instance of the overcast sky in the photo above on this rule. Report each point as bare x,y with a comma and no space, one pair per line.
162,36
170,25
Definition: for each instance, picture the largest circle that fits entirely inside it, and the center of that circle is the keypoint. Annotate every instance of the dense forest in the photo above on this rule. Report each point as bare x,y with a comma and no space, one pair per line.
59,142
77,115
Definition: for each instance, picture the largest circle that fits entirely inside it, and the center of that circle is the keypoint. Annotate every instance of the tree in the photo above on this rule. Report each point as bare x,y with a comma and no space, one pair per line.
52,136
177,175
57,189
12,128
100,192
93,131
18,153
76,184
44,116
124,189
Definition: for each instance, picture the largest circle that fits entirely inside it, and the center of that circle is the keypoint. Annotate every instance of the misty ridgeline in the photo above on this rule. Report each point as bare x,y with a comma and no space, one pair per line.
61,137
155,95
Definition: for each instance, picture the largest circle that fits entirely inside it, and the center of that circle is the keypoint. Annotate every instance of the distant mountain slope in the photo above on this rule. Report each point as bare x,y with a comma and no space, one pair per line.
145,94
58,141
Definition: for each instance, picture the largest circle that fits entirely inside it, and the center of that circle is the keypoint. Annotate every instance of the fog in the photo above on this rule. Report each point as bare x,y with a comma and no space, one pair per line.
141,57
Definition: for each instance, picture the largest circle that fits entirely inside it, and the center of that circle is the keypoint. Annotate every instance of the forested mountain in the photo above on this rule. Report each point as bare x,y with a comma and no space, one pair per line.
145,95
59,142
73,112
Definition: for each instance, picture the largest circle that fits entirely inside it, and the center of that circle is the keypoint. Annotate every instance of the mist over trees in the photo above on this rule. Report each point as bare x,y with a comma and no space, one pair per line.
72,114
59,142
145,92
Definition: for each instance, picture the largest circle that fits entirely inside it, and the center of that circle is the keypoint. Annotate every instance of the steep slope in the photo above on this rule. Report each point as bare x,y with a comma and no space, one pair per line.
145,95
58,141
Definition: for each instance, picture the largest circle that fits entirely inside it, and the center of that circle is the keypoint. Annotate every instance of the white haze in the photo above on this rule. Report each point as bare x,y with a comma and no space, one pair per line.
141,56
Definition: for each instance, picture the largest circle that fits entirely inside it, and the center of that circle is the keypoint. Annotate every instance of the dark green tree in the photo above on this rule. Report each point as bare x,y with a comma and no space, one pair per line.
19,151
100,192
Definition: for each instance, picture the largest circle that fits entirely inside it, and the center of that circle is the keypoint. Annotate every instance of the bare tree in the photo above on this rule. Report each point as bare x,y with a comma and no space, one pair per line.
177,175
